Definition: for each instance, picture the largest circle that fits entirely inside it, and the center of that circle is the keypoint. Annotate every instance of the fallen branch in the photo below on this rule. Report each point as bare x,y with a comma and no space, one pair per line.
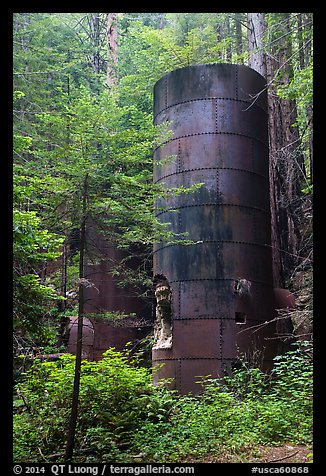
281,459
87,451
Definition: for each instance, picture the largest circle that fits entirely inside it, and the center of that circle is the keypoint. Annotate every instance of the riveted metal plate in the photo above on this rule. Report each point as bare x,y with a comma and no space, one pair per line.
187,262
228,339
199,222
193,370
248,261
212,81
235,224
217,222
234,117
212,151
184,117
205,299
196,82
217,116
196,338
160,95
207,193
242,188
252,87
165,160
168,369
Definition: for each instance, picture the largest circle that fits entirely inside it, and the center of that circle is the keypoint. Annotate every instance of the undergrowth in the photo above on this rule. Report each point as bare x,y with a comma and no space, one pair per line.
123,417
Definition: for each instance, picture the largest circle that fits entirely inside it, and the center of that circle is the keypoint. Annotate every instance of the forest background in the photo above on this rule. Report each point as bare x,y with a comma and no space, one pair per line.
83,141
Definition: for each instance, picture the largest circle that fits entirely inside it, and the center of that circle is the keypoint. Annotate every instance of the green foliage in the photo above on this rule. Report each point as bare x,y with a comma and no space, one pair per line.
33,245
240,411
300,90
115,398
293,374
61,134
122,414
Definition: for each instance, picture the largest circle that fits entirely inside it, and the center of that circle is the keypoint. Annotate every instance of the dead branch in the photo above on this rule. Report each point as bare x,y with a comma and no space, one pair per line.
281,459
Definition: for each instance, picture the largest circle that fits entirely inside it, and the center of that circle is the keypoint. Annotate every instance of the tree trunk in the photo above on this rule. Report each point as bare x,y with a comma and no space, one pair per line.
228,37
274,126
307,22
94,23
300,41
307,53
286,160
75,396
258,61
238,34
255,43
112,47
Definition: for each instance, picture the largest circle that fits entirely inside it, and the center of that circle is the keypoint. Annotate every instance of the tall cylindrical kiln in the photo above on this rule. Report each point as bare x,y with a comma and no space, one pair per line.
214,296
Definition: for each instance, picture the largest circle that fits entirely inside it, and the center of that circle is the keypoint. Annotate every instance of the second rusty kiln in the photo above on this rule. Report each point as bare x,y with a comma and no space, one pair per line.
213,295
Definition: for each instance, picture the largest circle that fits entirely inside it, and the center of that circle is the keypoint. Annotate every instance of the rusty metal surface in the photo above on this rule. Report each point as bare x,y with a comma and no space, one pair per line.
99,335
88,338
219,123
209,81
210,152
217,116
191,372
196,339
284,299
166,369
106,336
204,299
103,294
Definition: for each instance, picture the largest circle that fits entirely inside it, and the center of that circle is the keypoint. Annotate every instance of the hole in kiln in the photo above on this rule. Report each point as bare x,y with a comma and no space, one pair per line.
163,314
240,317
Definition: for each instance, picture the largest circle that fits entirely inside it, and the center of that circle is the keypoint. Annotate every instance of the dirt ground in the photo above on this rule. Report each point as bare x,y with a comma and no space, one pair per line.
286,454
263,454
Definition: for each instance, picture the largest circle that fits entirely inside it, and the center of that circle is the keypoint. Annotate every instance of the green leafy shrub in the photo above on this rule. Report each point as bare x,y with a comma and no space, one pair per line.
121,413
115,398
238,413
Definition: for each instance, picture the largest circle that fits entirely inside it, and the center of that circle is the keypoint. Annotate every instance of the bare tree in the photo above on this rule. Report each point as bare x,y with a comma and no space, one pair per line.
255,43
112,48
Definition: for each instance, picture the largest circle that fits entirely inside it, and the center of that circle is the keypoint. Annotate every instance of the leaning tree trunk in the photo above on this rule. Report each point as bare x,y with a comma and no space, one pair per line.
75,395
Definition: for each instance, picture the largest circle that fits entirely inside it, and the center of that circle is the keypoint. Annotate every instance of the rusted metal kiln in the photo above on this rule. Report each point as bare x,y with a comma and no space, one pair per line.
214,295
102,295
